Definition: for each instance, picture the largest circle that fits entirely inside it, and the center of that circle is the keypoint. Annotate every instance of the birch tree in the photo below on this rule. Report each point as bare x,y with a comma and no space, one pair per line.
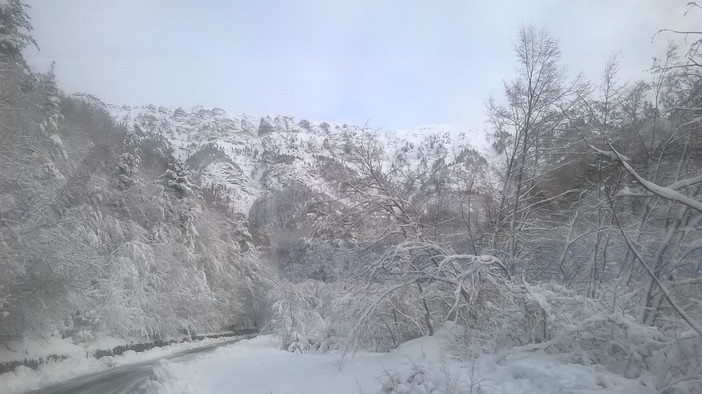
523,130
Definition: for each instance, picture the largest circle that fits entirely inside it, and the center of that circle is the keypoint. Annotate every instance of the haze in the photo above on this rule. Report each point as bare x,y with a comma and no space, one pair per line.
391,64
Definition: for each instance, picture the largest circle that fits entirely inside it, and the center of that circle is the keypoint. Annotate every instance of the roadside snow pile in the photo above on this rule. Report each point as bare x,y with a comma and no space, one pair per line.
55,347
25,379
21,350
170,378
526,370
422,365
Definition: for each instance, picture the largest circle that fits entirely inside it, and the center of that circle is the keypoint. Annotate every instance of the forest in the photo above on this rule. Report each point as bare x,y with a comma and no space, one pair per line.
579,231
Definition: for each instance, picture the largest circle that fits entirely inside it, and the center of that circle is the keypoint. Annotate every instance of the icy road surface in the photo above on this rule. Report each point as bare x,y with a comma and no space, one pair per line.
131,378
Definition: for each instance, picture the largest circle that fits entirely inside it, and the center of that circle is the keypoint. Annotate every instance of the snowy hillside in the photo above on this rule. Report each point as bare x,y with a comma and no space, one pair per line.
246,157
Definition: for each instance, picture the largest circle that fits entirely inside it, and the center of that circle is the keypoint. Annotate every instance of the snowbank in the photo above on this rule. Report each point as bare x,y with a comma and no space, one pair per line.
423,365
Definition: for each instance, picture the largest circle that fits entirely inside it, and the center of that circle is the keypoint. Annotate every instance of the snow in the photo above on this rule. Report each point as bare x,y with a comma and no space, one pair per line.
20,350
78,362
422,365
244,139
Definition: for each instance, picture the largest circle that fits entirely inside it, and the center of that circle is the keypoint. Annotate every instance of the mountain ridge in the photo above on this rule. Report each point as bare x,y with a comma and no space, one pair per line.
245,157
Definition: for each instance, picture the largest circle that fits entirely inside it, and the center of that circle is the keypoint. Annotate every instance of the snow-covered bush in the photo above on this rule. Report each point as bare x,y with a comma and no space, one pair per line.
317,316
423,379
392,307
603,331
176,177
302,314
128,163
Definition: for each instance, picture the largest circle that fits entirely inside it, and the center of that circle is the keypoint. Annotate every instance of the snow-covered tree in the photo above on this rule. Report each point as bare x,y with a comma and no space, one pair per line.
15,31
524,130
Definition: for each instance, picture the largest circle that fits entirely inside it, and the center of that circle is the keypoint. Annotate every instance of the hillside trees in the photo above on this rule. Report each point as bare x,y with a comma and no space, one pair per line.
632,234
662,237
15,31
39,277
90,253
404,218
101,231
597,215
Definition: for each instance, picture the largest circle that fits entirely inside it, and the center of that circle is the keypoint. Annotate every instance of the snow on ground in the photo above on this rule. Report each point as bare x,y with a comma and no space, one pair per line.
79,363
419,366
20,350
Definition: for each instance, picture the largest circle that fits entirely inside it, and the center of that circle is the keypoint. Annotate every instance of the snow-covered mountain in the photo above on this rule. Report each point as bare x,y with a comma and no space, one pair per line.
245,157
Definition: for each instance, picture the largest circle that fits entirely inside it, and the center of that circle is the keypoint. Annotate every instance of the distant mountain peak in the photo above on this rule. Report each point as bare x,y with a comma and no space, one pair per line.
245,156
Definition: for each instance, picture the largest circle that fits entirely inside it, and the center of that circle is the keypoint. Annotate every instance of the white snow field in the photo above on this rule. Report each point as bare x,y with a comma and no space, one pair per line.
419,366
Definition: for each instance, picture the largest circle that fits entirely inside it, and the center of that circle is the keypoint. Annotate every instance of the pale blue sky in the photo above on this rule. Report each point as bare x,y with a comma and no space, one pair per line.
394,64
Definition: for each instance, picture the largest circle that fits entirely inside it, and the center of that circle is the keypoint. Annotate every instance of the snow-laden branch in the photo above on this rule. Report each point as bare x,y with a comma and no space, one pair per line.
685,183
673,186
661,191
668,193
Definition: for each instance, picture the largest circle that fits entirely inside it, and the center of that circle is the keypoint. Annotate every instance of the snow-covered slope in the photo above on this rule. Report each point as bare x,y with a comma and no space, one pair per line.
423,365
245,157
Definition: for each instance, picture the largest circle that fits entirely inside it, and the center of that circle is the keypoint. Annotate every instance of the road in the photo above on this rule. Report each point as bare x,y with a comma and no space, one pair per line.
131,378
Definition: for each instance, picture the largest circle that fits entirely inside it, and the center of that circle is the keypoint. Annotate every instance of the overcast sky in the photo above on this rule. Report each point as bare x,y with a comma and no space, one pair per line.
393,64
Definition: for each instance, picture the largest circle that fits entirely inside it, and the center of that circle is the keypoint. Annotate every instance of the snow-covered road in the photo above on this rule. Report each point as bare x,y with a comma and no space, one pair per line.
130,378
